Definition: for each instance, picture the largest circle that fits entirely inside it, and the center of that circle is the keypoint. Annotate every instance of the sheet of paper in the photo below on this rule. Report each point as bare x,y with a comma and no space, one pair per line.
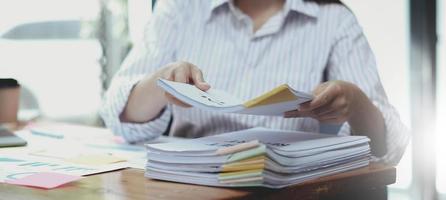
86,142
14,166
47,180
95,159
212,97
56,153
72,132
107,155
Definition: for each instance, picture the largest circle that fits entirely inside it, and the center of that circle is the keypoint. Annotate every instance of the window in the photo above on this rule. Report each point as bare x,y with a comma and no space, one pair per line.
49,47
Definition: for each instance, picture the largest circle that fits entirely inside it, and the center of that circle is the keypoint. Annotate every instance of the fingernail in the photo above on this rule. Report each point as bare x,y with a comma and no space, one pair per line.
205,86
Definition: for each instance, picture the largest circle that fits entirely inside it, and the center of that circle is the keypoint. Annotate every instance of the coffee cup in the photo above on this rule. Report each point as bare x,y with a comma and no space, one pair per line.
9,100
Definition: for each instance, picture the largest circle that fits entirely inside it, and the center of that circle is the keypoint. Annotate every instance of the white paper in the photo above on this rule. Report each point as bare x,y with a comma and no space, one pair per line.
220,101
212,98
16,166
278,140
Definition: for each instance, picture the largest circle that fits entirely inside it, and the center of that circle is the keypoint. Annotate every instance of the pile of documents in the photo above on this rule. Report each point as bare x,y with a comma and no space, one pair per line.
256,157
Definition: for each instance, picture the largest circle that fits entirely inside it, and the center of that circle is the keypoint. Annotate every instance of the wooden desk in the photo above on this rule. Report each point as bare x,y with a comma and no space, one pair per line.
365,183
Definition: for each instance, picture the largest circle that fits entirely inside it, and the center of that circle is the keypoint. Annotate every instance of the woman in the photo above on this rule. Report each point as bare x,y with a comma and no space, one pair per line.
247,47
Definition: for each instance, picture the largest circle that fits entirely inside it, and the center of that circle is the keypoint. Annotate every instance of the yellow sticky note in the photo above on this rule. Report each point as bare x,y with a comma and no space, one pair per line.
95,159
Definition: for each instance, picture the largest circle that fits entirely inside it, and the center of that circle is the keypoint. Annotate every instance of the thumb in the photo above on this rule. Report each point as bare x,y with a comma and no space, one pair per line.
197,77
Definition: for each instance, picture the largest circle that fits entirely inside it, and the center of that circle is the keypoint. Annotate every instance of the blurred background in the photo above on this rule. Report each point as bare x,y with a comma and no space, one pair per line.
65,52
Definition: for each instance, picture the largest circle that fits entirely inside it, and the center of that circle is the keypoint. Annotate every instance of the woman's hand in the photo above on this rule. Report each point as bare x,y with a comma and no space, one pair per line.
338,102
147,100
182,72
334,102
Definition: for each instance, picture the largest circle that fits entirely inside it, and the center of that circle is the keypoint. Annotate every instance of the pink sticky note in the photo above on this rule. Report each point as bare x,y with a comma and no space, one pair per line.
45,180
118,139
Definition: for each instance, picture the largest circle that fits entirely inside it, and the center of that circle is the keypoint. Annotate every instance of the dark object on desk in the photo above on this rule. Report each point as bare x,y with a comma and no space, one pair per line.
9,100
8,139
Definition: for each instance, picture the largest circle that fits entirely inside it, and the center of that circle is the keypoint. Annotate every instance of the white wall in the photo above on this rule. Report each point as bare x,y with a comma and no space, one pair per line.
386,25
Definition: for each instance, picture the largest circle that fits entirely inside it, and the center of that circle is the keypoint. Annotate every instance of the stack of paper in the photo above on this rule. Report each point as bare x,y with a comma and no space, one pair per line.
256,157
275,102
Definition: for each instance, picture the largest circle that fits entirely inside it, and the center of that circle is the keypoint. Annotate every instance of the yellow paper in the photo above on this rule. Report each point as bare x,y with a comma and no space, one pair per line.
254,163
243,167
95,159
279,94
226,174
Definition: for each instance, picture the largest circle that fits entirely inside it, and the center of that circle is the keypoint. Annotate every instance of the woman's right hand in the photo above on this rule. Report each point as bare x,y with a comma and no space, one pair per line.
182,72
147,100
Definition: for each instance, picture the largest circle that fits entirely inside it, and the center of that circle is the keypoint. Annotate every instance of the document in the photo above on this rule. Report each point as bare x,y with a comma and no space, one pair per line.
96,159
275,102
256,157
13,167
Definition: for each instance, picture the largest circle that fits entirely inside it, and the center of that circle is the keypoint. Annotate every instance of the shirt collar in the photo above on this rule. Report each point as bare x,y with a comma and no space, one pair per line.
217,3
310,9
214,4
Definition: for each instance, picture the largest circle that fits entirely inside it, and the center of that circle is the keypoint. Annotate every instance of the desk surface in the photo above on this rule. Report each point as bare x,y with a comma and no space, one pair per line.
131,184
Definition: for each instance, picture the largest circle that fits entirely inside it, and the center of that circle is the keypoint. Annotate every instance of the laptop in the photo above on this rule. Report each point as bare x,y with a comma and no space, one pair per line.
8,139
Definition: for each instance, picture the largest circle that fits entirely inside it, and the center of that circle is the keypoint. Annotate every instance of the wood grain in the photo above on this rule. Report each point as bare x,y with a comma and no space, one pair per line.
131,184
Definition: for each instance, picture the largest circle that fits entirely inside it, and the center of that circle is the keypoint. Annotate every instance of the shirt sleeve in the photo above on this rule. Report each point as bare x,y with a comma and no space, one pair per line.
352,60
157,50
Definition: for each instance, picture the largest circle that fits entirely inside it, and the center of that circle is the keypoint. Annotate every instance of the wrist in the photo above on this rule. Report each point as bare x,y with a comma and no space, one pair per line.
145,101
360,104
150,86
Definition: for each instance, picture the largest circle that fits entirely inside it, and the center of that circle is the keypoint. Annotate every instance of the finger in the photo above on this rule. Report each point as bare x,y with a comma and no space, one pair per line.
176,101
197,75
180,75
316,92
168,75
327,108
296,113
339,103
197,78
326,96
320,88
305,106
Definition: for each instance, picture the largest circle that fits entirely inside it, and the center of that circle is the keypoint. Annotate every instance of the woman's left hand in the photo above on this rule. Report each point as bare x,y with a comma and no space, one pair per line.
334,102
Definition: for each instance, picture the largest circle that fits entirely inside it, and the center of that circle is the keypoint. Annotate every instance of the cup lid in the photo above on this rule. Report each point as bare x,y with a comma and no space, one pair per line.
8,83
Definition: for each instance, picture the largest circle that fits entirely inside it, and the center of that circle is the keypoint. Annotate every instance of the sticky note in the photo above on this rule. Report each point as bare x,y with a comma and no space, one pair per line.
95,159
118,139
47,180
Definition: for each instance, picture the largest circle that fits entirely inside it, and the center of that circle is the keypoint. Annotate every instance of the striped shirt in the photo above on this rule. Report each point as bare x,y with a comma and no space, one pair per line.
301,45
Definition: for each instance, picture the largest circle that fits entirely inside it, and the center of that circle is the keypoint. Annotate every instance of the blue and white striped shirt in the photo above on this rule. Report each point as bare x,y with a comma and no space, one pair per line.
296,46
